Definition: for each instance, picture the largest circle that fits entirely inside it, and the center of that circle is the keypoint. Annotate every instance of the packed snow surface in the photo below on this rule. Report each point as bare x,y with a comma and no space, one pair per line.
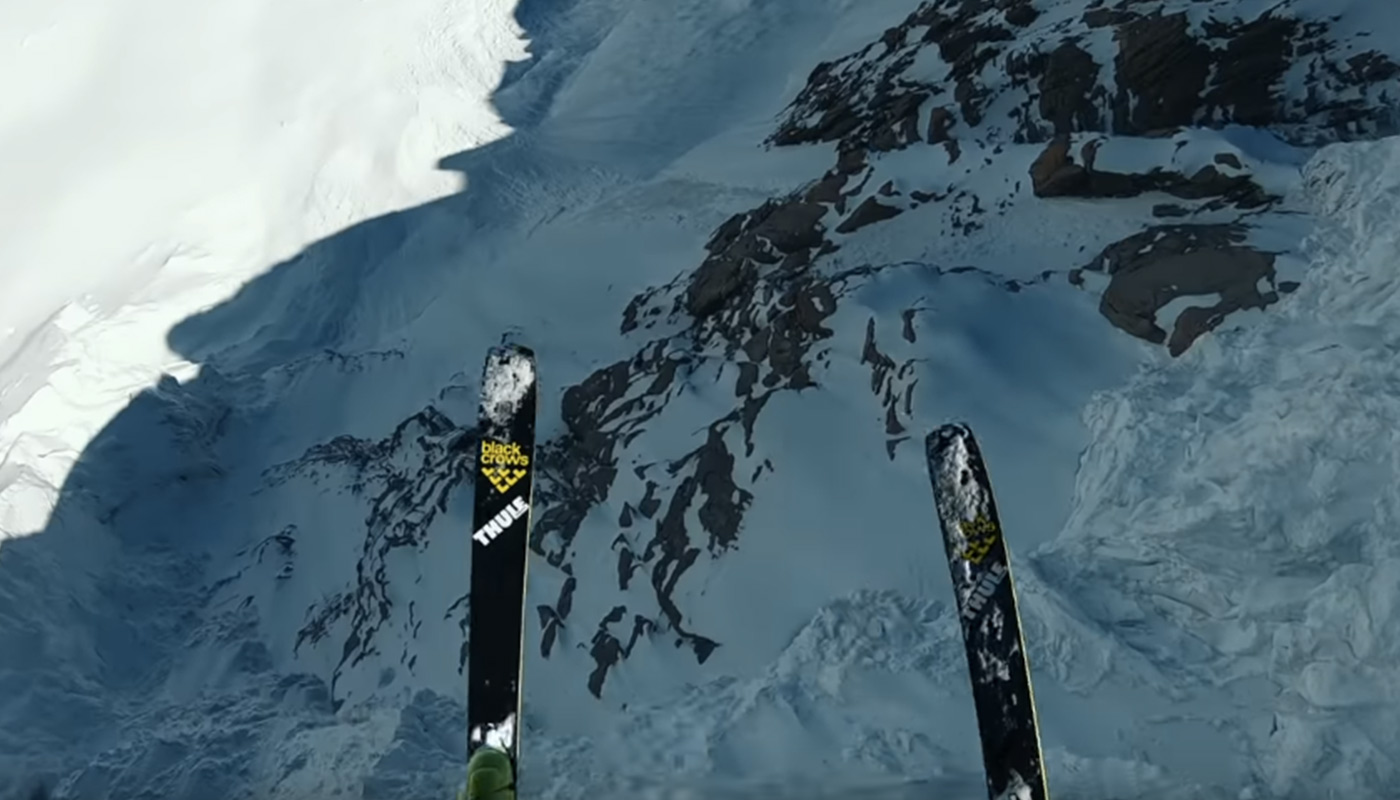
255,253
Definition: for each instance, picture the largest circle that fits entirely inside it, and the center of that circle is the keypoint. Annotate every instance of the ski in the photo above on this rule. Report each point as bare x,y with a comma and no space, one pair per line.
991,624
500,527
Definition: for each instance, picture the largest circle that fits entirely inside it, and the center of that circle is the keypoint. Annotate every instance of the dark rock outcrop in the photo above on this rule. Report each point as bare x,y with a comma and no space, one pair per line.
1151,269
1055,173
1167,73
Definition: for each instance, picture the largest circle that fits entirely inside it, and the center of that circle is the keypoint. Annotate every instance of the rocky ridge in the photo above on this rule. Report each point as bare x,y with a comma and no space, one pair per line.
1054,86
1140,104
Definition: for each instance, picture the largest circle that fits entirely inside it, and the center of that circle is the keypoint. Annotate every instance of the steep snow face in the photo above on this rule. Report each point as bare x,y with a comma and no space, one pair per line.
157,156
758,246
160,155
1234,519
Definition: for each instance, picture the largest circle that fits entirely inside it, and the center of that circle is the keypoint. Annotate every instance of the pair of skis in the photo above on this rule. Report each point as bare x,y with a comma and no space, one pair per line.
972,536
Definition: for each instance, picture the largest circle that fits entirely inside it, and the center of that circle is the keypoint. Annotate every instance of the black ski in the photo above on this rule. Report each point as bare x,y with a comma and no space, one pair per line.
991,625
504,478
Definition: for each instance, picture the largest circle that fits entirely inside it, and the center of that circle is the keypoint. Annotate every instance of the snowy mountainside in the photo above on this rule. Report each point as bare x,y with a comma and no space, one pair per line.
1101,233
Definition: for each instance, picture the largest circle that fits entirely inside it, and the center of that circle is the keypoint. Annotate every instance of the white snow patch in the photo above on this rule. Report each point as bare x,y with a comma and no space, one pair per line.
501,737
508,381
1208,585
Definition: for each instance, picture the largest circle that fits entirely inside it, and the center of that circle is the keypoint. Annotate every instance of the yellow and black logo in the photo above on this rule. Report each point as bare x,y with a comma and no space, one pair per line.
980,533
503,464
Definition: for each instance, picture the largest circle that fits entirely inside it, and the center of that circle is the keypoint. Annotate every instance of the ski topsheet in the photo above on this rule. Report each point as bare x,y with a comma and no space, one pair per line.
504,478
991,625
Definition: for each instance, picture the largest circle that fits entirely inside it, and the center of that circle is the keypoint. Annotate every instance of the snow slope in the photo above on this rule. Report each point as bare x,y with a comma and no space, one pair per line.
244,327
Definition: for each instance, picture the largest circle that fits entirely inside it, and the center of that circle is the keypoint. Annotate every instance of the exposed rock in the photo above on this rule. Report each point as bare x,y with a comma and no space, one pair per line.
1229,160
763,236
1161,72
828,189
891,383
606,649
1168,73
940,120
851,161
895,121
1249,69
766,314
407,478
599,414
907,318
552,618
868,212
1151,269
757,305
1103,17
1021,13
789,226
1066,88
1055,174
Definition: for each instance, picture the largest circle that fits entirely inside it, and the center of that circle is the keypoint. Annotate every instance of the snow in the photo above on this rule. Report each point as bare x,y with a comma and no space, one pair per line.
960,499
1271,462
161,155
501,737
507,382
1018,790
238,232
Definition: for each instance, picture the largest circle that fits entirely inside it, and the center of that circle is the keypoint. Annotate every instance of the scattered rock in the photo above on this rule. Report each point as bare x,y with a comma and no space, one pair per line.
891,383
407,478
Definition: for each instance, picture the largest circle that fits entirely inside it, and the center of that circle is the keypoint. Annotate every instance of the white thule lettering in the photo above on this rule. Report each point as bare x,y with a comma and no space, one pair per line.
984,589
500,523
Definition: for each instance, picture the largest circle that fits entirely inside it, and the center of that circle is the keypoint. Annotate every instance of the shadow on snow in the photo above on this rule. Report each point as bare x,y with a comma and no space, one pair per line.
99,610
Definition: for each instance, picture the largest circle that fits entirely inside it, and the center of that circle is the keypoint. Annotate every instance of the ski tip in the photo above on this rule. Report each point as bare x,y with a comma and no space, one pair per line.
944,436
509,350
518,362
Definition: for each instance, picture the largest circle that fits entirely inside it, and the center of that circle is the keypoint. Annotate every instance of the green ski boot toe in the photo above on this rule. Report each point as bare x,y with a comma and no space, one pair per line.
490,776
